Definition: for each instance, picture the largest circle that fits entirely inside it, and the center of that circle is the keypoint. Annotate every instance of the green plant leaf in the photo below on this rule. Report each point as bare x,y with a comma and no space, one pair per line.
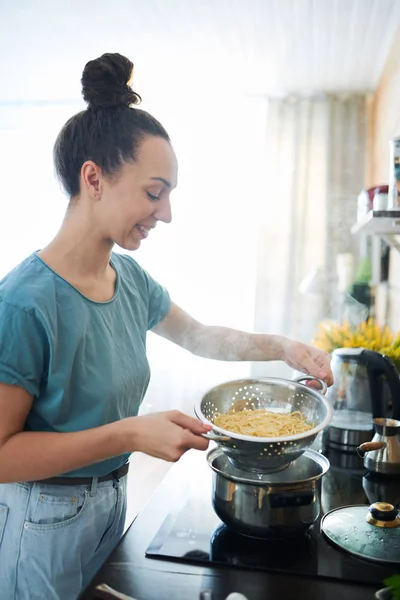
394,583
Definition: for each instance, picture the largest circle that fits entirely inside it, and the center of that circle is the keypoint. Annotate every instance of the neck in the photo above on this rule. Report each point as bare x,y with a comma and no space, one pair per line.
78,246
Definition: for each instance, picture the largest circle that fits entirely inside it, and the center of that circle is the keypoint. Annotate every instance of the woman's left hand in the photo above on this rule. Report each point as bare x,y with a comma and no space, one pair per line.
307,359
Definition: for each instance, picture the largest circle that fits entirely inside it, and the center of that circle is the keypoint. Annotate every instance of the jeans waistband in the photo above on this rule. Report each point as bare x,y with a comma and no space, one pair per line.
117,474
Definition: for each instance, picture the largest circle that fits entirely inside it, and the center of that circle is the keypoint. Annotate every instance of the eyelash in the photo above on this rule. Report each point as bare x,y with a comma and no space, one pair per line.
152,197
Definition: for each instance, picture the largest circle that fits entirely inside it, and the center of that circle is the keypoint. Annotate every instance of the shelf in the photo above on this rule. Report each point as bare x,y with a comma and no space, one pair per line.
379,222
382,223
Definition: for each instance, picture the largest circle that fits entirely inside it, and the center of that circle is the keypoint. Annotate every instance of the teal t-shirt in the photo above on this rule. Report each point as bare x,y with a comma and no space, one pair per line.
84,362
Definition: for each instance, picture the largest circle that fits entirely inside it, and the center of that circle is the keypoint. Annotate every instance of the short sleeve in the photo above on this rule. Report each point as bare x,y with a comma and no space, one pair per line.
159,302
23,348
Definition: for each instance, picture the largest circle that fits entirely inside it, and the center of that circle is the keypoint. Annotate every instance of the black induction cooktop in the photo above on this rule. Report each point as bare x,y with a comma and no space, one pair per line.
192,532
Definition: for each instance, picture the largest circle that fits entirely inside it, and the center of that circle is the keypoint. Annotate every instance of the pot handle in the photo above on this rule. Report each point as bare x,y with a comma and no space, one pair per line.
322,383
369,447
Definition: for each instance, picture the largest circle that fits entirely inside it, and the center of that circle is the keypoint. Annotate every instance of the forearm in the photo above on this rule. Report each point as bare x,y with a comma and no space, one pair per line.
218,343
223,343
30,456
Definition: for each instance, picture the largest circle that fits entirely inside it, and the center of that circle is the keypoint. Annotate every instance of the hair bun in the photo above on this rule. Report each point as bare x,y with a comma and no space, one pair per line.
106,82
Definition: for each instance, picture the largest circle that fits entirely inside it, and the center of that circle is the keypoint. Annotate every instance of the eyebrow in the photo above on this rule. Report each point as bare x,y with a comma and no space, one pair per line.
165,182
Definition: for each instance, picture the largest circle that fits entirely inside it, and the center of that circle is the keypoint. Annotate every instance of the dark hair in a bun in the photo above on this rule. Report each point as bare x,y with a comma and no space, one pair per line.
110,130
106,82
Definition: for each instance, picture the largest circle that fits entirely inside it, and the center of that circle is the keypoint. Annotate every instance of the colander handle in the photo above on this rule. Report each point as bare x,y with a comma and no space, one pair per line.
322,383
216,437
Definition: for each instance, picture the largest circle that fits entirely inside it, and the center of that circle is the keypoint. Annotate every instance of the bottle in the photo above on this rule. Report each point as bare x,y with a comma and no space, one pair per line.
394,175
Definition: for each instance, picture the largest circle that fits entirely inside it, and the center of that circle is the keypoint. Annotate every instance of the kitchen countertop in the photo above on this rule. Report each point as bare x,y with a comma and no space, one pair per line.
130,572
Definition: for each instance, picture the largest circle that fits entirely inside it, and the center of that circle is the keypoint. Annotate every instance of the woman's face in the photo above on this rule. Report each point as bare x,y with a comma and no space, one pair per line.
132,202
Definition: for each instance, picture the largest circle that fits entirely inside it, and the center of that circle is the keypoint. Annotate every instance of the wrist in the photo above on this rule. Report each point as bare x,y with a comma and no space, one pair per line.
123,435
278,346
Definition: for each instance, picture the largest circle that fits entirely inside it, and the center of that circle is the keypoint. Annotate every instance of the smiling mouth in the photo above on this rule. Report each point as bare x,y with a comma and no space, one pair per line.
143,230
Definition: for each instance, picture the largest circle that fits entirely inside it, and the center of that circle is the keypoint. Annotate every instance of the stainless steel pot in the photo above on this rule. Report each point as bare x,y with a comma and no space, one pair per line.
267,505
382,488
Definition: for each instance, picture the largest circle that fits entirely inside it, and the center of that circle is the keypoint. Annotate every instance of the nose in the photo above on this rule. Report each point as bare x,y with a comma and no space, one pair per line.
163,211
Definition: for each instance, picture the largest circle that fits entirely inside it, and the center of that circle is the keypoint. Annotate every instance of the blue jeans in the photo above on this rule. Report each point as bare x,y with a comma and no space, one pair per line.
54,538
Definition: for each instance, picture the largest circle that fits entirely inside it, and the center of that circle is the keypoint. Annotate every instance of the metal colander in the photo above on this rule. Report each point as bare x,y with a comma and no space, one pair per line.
259,454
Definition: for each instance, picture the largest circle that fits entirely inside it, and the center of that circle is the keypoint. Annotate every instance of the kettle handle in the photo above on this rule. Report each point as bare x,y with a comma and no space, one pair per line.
370,447
377,365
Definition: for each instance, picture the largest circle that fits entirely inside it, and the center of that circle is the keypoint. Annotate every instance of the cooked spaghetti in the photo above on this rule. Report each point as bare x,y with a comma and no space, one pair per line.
263,423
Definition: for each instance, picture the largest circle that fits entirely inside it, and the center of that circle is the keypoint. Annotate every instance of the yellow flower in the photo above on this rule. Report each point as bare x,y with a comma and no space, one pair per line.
368,334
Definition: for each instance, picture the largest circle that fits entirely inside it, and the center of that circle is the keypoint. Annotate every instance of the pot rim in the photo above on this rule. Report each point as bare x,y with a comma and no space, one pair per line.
313,455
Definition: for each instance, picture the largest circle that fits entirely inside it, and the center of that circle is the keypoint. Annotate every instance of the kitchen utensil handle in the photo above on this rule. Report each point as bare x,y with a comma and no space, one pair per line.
322,383
108,593
213,436
377,365
216,437
369,447
393,380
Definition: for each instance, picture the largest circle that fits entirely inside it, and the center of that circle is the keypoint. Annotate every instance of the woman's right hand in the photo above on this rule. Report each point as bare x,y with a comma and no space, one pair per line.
167,435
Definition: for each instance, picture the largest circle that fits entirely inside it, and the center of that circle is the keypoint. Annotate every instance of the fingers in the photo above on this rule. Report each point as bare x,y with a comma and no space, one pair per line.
313,384
322,359
190,433
309,360
187,422
307,363
195,441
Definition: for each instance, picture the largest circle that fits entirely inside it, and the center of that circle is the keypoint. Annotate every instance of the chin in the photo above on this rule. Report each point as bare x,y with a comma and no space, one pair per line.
130,244
131,247
129,241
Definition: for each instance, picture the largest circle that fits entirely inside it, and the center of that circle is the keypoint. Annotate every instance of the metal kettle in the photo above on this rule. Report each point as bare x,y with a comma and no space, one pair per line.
382,454
366,384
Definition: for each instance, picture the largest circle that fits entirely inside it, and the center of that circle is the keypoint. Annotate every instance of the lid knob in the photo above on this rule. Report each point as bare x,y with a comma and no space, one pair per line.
383,514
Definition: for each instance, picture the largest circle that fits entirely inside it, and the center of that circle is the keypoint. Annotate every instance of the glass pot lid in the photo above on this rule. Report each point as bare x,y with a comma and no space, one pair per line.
370,532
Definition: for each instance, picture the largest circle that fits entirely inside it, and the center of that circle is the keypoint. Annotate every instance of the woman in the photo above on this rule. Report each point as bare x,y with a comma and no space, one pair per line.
73,366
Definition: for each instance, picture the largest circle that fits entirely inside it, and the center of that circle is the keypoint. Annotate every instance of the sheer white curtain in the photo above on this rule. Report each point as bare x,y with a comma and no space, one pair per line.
315,149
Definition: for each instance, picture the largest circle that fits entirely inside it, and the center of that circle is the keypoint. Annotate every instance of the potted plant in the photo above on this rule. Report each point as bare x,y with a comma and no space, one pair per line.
367,334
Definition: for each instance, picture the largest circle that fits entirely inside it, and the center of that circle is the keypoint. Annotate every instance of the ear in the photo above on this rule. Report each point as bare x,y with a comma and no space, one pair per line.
92,179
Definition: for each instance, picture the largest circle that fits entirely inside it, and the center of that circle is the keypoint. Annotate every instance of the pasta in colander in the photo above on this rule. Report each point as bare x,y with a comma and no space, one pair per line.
263,423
